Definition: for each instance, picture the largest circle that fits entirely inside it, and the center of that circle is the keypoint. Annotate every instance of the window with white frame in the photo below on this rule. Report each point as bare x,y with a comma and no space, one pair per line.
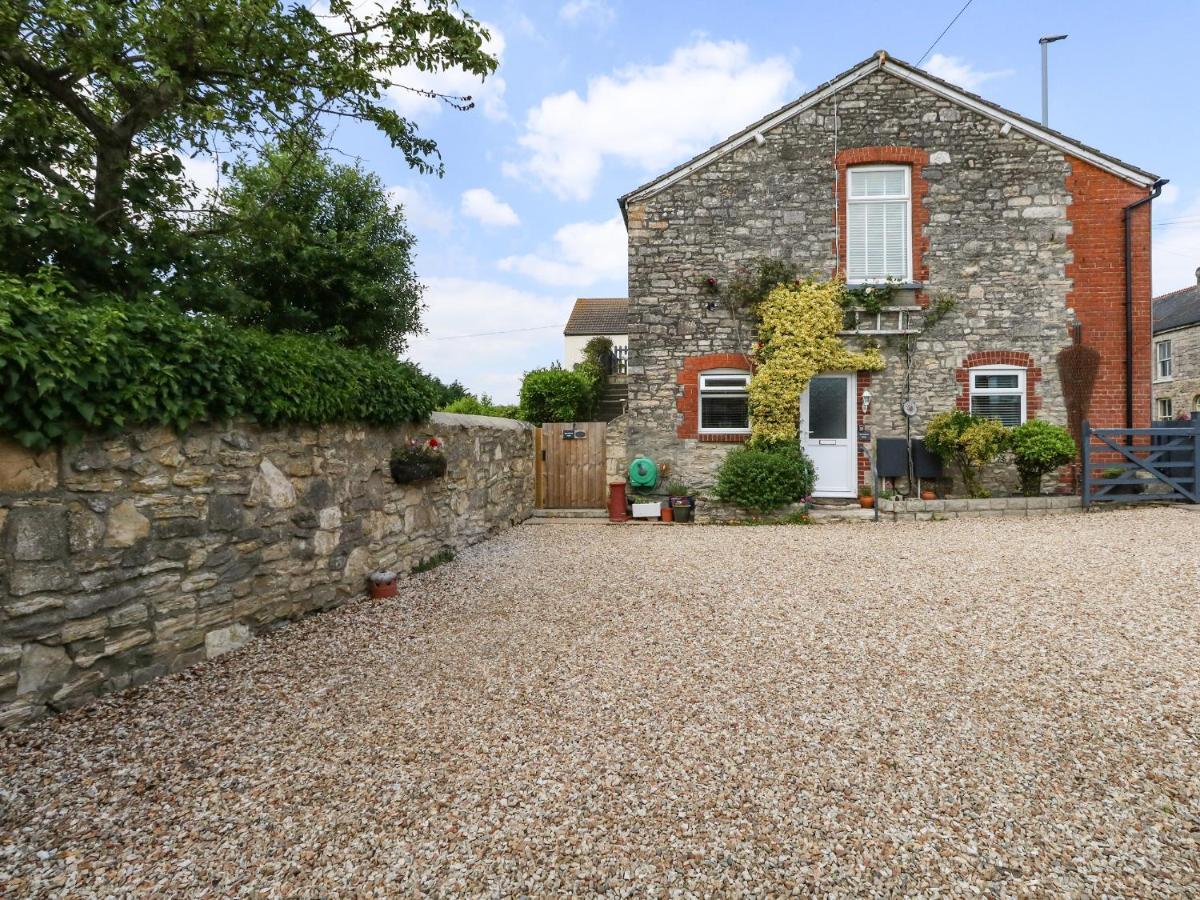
724,402
1166,409
1162,357
878,223
998,392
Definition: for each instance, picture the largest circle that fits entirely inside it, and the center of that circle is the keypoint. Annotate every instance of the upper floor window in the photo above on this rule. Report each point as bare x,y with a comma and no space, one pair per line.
998,392
1162,359
878,223
724,402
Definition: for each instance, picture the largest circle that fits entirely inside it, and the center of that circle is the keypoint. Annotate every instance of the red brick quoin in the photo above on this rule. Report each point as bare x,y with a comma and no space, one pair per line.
689,398
1033,377
914,157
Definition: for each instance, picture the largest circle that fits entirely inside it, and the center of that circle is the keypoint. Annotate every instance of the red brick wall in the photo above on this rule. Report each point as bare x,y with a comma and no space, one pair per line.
864,463
1033,377
688,403
1097,295
914,157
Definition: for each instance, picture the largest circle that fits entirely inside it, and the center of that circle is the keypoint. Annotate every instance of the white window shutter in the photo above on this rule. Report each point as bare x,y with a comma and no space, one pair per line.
856,241
894,246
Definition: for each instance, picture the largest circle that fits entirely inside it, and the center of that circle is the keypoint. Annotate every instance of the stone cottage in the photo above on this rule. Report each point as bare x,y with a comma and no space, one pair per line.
887,173
1176,356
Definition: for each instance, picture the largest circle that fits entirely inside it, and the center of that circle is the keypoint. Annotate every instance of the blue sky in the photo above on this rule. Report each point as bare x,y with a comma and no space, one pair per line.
594,97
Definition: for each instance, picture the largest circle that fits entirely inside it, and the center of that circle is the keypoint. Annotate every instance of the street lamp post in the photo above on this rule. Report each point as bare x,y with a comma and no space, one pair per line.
1045,42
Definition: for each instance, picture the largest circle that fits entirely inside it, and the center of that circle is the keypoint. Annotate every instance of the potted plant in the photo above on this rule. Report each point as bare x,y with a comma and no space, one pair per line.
418,461
666,513
928,494
866,497
1117,472
681,501
645,507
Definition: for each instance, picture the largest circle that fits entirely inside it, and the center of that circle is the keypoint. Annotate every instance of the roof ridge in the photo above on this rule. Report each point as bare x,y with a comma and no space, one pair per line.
1190,287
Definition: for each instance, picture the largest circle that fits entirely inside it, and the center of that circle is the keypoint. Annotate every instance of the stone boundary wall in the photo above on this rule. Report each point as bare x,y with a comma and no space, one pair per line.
917,510
125,558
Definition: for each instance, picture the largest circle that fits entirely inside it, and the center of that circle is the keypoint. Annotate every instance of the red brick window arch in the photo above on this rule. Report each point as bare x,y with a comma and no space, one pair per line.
1001,358
688,402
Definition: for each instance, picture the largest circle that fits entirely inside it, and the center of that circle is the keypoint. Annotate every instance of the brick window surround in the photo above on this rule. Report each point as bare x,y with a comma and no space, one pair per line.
1033,377
916,159
688,403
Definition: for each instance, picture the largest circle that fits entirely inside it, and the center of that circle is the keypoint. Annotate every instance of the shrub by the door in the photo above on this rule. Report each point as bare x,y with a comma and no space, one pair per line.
763,479
969,442
1039,447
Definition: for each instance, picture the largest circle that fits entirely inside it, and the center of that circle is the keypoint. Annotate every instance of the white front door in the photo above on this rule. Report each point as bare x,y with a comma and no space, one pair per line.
827,433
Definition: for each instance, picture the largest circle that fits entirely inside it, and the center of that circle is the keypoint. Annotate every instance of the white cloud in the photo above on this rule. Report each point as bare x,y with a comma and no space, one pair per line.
584,253
649,116
1170,193
1176,250
484,206
411,86
590,12
489,363
421,209
202,172
958,71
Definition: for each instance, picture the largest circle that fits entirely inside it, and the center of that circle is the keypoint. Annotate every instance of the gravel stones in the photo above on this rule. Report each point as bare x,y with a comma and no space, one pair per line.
992,706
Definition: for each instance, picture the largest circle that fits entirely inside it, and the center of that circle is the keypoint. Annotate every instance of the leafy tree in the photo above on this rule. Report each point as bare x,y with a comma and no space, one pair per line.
481,406
320,250
1040,447
447,393
101,97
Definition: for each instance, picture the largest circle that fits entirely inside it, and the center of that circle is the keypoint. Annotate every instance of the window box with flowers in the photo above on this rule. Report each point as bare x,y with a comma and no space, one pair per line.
418,461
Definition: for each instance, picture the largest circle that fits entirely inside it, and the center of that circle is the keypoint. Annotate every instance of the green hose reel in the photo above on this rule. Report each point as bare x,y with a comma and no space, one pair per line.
643,473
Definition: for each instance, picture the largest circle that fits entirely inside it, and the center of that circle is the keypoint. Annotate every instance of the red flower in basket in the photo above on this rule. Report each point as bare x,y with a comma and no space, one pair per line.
433,444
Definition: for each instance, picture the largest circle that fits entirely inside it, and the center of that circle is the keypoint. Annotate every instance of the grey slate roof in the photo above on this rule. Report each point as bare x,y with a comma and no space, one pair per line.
599,315
1177,309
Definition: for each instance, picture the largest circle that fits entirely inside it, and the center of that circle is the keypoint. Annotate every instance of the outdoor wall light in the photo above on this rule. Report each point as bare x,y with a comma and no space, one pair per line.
866,403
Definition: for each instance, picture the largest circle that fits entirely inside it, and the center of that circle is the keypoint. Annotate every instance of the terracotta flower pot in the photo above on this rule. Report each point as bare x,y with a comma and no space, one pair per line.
667,514
866,502
928,495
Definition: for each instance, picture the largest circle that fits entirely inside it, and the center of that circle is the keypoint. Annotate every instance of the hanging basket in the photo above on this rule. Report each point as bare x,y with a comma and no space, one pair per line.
418,462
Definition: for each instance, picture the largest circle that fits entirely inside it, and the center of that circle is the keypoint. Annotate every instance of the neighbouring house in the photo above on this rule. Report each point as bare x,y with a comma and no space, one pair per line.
888,173
1176,355
593,317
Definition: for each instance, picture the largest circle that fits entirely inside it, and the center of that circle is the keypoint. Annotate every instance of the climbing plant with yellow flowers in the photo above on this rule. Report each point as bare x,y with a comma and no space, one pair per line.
798,338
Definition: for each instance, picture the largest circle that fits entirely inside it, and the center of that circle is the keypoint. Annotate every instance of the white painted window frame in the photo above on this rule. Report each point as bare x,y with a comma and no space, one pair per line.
851,200
1164,409
1020,389
703,388
1161,357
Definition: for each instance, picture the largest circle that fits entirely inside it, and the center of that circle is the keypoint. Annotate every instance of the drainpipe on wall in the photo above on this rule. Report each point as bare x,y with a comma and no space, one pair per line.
1155,190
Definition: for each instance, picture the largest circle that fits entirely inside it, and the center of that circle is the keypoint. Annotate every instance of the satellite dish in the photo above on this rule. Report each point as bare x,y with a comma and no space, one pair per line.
909,407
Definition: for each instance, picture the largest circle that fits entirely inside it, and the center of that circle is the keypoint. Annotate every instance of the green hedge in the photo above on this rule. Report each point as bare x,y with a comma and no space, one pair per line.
66,368
765,478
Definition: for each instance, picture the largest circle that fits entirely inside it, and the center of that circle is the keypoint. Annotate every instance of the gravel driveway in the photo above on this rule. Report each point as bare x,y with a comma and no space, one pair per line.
1006,706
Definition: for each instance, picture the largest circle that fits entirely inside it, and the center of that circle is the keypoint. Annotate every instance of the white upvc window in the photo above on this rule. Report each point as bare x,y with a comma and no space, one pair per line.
1162,360
878,223
1166,409
998,392
724,402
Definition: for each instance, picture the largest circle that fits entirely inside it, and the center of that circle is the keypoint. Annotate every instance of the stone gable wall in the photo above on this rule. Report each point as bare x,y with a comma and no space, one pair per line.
1184,386
128,557
995,224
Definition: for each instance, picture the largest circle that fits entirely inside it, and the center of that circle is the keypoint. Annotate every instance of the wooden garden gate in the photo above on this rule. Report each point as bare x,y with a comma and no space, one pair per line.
570,465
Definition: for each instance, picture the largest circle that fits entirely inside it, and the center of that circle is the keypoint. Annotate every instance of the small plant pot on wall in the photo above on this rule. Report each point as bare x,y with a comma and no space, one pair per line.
927,494
417,461
866,499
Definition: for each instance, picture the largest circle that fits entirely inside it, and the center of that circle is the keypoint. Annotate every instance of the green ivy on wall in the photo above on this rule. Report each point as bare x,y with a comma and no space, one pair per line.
798,338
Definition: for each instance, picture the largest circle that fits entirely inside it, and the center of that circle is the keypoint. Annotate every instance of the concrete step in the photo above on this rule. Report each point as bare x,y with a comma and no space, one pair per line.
825,516
570,513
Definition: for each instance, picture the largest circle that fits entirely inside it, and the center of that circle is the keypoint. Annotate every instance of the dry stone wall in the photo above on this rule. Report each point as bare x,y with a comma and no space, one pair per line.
128,557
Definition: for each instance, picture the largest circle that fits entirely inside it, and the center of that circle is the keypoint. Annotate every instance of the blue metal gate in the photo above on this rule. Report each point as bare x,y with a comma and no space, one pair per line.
1168,452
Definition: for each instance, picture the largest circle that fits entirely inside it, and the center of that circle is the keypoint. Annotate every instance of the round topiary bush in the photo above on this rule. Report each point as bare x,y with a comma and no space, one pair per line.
1039,447
765,478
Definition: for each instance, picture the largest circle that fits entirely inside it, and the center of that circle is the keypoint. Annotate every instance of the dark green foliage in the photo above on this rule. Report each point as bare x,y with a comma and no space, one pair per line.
438,559
754,281
67,367
1039,447
445,394
99,98
298,243
556,394
762,479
